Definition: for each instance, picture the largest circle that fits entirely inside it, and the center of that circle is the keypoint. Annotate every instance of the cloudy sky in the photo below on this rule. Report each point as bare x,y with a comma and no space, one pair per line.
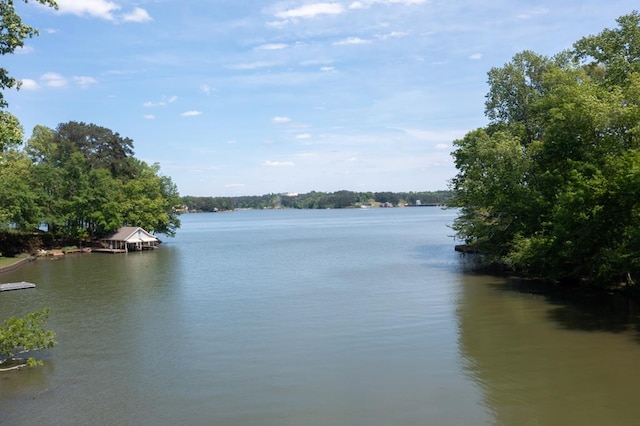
239,97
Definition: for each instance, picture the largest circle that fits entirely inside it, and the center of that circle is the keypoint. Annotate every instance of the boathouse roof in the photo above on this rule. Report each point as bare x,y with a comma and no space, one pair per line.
131,234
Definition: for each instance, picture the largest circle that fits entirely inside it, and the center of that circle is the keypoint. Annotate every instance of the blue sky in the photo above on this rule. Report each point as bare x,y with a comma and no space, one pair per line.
247,98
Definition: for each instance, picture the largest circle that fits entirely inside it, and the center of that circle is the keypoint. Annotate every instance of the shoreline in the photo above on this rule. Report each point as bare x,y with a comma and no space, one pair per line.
17,264
55,253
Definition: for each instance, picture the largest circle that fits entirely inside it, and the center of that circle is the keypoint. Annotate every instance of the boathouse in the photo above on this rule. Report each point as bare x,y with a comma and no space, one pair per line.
130,238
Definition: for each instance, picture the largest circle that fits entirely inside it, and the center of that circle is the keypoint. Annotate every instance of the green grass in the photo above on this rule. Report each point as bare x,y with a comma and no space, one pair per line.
8,261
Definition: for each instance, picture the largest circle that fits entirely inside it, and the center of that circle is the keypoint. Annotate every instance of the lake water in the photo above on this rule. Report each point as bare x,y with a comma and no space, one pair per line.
332,317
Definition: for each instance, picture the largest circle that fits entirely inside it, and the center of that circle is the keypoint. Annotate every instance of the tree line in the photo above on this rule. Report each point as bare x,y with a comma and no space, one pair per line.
550,186
315,200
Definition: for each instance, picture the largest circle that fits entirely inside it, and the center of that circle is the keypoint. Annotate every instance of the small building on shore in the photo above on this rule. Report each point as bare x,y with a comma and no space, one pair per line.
130,238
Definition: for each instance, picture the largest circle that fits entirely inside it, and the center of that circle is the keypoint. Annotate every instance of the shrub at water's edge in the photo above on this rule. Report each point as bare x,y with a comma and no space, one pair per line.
22,335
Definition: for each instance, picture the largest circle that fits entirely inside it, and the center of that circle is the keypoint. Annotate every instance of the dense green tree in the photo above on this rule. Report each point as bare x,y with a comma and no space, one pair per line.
614,54
19,206
387,197
88,183
11,134
550,186
491,190
47,177
149,199
104,215
514,90
101,147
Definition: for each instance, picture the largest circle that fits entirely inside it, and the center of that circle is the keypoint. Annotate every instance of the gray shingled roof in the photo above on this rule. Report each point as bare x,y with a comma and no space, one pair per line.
128,233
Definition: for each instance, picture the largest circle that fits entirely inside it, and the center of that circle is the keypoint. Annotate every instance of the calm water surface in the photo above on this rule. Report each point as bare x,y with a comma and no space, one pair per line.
333,317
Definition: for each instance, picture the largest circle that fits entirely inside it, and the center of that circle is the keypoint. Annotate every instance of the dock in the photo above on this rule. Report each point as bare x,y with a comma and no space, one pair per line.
107,250
16,286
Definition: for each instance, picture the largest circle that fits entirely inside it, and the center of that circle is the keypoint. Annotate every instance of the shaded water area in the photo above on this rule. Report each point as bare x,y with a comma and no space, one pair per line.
333,317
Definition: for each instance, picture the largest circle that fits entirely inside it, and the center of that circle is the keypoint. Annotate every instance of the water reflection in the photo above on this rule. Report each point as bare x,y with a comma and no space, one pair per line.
583,311
548,360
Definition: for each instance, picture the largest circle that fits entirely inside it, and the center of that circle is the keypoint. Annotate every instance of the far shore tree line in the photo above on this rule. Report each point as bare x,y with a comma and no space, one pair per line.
317,200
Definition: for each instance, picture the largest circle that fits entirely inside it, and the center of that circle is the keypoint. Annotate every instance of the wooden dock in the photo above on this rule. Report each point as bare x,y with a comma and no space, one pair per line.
16,286
107,250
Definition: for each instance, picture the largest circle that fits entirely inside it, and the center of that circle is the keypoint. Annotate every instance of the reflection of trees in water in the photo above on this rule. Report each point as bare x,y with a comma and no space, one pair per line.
545,359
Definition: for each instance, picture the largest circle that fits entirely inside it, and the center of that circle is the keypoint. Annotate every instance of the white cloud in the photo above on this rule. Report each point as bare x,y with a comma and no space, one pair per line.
442,146
191,113
164,102
307,155
53,79
402,1
351,41
444,136
476,56
272,46
149,116
312,10
28,84
97,8
393,34
253,65
277,24
303,136
102,9
328,69
138,15
364,4
84,81
23,50
316,62
278,163
235,185
281,119
206,89
533,13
